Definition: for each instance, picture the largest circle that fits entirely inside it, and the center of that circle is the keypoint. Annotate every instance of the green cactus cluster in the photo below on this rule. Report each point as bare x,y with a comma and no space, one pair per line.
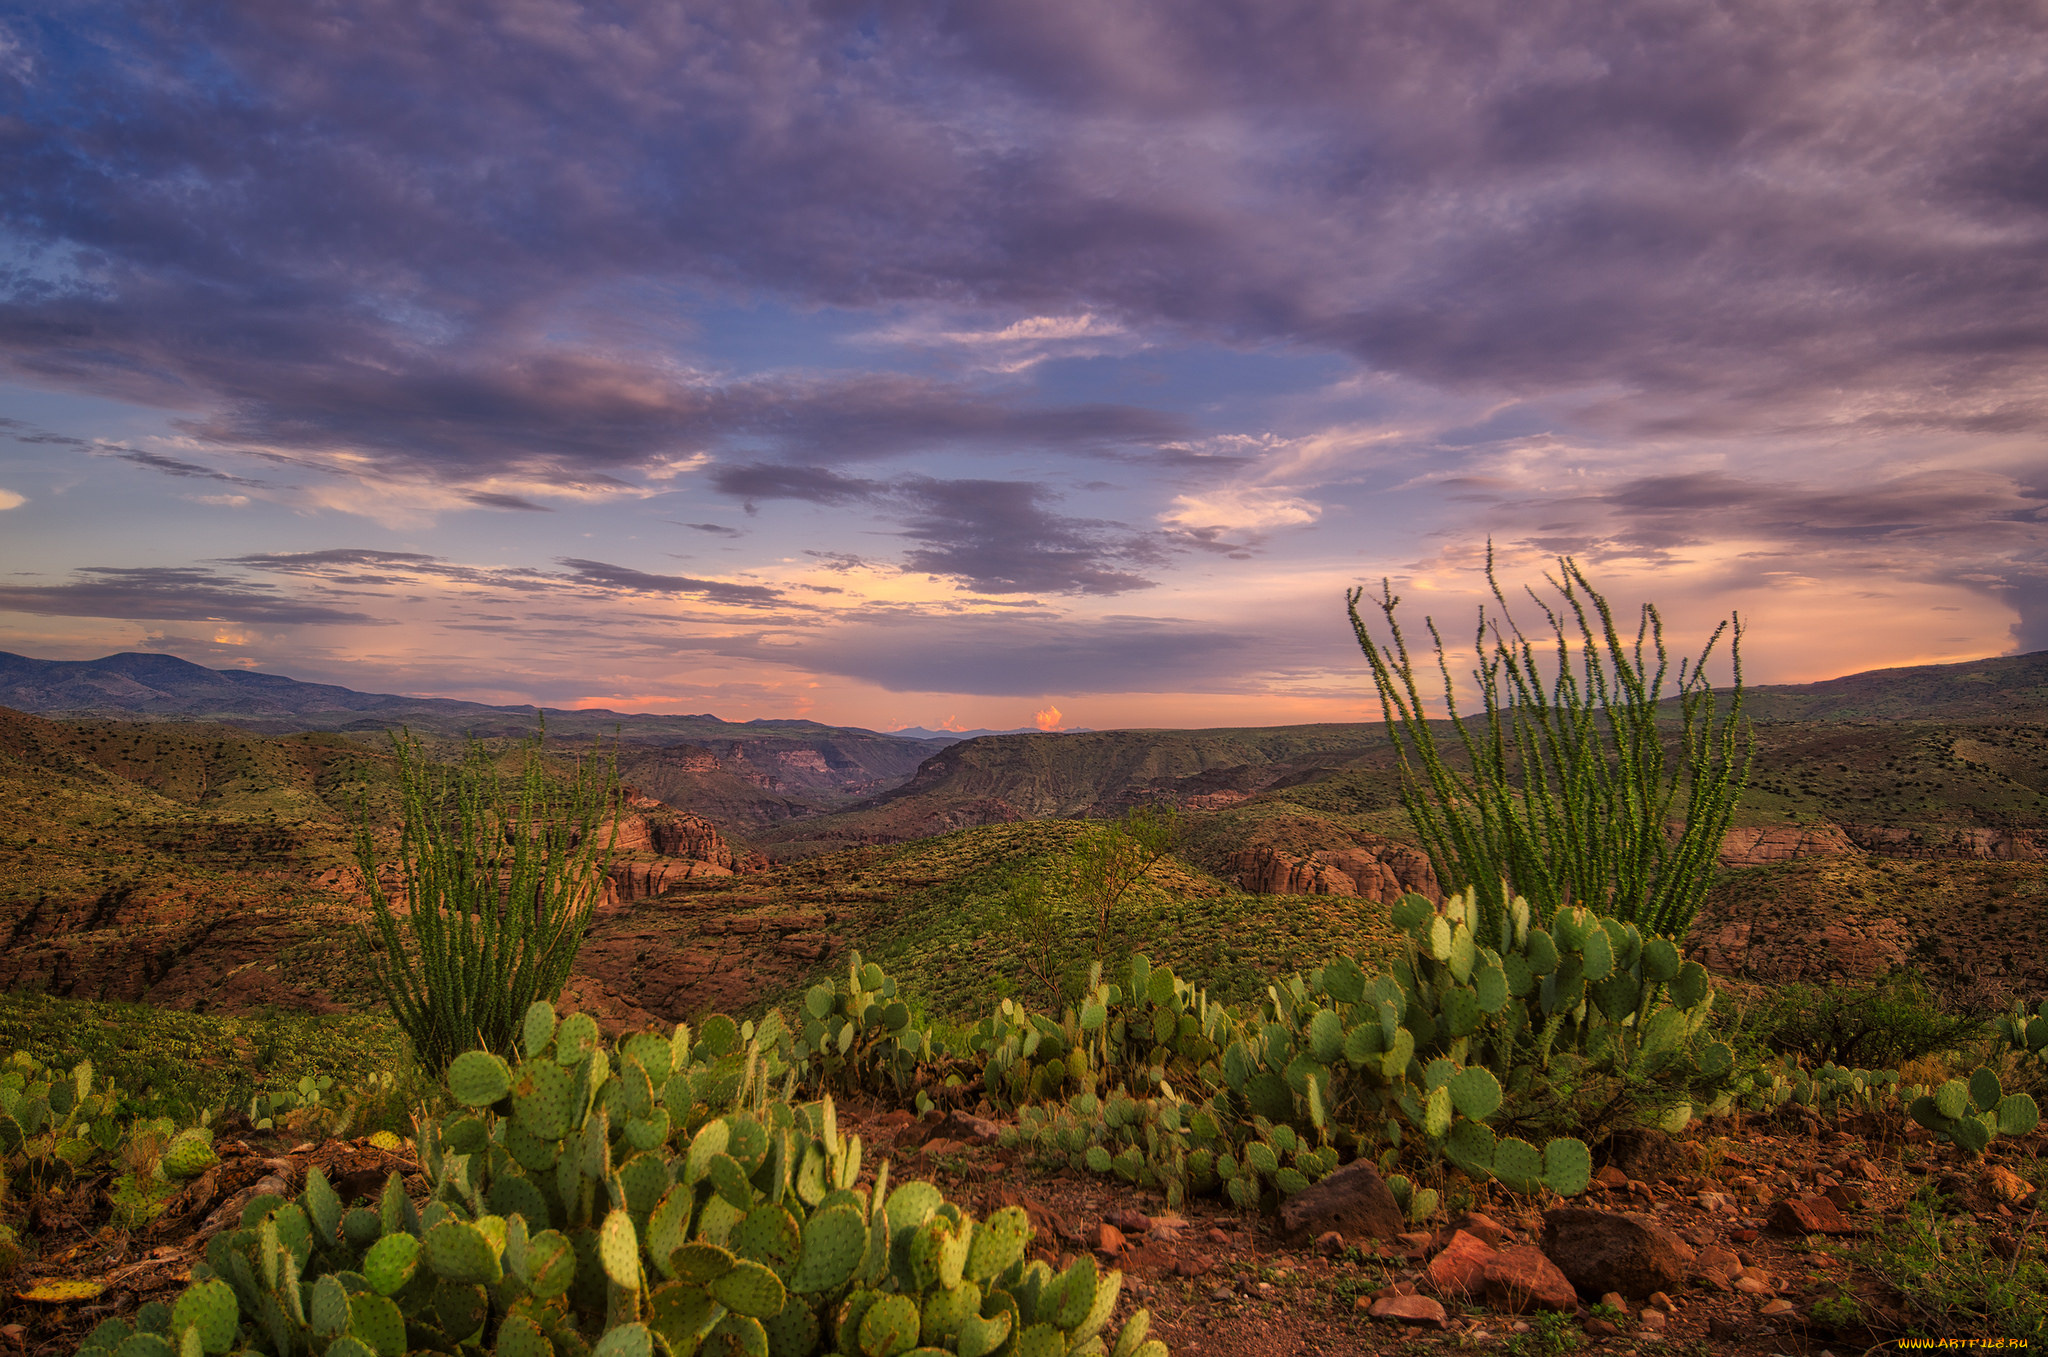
308,1098
2026,1034
54,1123
1970,1113
856,1032
632,1201
1834,1088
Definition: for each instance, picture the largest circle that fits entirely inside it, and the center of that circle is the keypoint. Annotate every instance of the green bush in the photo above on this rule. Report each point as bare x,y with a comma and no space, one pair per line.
1950,1281
1892,1020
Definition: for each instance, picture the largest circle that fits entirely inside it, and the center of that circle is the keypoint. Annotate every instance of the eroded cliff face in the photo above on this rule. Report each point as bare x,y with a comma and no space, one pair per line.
1371,868
658,847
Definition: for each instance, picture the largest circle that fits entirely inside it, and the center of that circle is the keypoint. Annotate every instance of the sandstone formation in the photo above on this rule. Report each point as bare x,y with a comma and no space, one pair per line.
658,847
1754,845
1373,869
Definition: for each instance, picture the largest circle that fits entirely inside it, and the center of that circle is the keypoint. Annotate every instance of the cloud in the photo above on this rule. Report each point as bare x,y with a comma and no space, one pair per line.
1826,212
716,529
996,537
995,657
815,484
491,500
171,594
1985,530
999,537
173,466
639,582
1240,509
10,499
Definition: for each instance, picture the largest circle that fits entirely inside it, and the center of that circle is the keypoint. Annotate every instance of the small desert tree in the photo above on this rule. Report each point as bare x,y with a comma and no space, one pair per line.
500,875
1571,783
1112,858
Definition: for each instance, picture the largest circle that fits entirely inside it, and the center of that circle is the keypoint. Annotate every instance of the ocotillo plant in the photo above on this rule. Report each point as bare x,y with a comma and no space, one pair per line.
1569,788
500,877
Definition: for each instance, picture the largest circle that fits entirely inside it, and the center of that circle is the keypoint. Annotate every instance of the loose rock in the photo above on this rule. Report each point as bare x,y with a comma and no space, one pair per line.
1809,1215
1460,1270
1614,1251
1522,1279
1355,1201
1416,1310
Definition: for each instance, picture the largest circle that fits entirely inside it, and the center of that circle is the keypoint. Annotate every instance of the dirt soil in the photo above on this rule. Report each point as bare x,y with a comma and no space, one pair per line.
1217,1280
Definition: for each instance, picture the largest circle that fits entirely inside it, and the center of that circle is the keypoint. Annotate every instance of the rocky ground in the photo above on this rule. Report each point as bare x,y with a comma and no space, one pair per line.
1742,1243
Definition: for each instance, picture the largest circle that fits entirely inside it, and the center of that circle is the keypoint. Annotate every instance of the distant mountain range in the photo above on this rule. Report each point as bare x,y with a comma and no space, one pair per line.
741,772
953,736
133,684
782,779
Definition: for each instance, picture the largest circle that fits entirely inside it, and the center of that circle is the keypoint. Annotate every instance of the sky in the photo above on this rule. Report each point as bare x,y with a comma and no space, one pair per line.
1023,361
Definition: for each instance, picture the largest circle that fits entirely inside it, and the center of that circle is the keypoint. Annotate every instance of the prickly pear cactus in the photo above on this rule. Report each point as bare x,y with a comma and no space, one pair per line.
1971,1113
653,1198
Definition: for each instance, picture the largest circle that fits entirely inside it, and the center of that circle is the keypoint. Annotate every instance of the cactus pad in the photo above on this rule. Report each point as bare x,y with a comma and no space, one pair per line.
1041,1340
1518,1164
749,1289
519,1336
209,1307
618,1248
701,1263
478,1078
327,1310
550,1264
544,1099
576,1037
375,1322
1567,1166
682,1314
834,1241
390,1263
1475,1092
625,1340
458,1252
770,1236
190,1153
890,1326
998,1242
1133,1335
793,1329
980,1336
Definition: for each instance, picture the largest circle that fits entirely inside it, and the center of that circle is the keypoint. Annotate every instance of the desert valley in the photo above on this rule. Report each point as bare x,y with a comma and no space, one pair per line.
183,898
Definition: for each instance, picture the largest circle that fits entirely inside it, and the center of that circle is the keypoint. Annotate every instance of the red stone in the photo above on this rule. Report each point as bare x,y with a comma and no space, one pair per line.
1522,1279
1809,1215
1460,1270
1420,1310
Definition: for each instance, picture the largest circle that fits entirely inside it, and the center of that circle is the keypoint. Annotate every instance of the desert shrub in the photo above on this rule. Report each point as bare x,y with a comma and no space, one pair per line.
1952,1281
1882,1024
500,875
1111,859
1567,788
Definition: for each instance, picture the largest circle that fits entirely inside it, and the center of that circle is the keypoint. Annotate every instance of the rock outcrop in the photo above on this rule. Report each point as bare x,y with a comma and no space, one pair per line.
1373,869
658,847
1753,846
